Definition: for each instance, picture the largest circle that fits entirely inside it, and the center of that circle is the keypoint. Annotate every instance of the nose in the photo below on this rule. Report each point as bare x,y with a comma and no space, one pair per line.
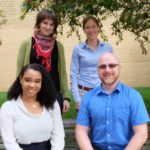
32,84
107,68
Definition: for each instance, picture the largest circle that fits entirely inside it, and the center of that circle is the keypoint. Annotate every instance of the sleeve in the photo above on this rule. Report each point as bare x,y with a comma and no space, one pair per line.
6,126
57,137
84,117
22,54
74,73
63,73
139,113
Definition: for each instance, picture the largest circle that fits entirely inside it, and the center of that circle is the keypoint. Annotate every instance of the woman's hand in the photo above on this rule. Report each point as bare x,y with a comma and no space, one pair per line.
77,106
66,105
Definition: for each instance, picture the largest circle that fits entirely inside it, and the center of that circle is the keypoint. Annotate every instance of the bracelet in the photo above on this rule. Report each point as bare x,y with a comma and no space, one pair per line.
67,98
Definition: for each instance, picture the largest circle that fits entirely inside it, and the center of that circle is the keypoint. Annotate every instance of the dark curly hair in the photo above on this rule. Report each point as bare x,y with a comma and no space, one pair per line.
47,94
46,14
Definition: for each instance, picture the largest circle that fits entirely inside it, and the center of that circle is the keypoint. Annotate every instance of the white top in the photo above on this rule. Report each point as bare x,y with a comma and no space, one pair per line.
18,125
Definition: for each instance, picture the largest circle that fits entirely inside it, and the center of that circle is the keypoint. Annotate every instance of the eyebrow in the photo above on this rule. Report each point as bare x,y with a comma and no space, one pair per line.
35,79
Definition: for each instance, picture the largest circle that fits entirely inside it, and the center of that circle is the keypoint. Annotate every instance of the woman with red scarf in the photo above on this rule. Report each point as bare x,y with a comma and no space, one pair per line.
43,48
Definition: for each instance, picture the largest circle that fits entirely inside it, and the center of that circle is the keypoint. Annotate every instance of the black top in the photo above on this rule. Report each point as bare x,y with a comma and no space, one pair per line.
54,63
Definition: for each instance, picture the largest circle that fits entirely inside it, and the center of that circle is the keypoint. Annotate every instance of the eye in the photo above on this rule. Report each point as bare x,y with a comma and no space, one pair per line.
102,67
38,81
51,24
27,80
112,65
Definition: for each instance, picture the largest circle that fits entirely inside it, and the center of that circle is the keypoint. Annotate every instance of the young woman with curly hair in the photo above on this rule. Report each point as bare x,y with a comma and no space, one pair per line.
31,118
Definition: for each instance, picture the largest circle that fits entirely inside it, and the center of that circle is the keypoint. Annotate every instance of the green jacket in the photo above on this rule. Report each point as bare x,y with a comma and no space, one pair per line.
24,59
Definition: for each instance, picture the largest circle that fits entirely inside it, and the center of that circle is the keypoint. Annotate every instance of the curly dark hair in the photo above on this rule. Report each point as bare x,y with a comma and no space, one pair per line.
47,94
46,14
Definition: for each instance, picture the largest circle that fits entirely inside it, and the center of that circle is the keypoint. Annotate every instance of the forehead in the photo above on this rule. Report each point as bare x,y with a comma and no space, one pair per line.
108,58
32,74
49,20
90,22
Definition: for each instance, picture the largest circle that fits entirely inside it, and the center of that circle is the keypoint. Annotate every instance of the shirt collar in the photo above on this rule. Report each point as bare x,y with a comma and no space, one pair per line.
101,90
100,44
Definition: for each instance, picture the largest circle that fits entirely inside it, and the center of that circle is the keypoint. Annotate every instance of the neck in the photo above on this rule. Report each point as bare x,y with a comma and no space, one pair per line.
109,88
39,33
92,43
29,99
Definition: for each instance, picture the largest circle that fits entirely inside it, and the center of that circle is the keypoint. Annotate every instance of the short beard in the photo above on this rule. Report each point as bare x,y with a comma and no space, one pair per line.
110,82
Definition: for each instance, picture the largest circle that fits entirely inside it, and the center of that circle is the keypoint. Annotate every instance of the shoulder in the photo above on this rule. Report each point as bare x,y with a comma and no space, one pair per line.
94,91
131,93
55,110
27,41
79,45
8,105
60,47
59,44
78,48
55,107
106,46
88,95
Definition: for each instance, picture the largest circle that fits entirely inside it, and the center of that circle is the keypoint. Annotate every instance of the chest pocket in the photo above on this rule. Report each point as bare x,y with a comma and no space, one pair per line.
121,113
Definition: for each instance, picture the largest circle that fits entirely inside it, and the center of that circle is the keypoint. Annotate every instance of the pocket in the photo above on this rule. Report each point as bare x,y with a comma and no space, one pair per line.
120,126
121,114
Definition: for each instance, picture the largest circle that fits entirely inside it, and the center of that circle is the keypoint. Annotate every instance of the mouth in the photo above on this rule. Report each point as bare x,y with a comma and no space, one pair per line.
92,34
108,76
31,90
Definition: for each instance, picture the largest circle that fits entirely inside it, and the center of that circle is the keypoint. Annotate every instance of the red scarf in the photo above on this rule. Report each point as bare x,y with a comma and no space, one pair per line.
44,47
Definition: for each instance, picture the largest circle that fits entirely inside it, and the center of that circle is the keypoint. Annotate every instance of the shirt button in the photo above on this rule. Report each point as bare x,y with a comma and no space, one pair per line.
107,122
109,147
109,96
108,135
108,108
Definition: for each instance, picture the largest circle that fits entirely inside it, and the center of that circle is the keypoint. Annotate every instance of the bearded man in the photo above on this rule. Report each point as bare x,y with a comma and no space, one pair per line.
114,112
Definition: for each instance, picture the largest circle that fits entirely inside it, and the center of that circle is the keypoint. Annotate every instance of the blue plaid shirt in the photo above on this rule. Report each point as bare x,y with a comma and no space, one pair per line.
111,117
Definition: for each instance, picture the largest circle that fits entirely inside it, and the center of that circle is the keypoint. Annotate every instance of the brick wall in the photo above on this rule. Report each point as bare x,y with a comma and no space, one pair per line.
135,69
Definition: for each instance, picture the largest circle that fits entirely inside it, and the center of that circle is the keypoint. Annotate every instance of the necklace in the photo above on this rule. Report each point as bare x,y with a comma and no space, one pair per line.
34,105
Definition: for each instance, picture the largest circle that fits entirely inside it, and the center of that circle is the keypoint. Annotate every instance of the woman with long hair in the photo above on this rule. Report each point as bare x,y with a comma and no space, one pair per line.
31,118
43,48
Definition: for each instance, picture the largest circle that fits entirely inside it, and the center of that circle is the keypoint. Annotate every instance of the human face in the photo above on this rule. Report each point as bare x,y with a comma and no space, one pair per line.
91,29
46,27
31,83
108,70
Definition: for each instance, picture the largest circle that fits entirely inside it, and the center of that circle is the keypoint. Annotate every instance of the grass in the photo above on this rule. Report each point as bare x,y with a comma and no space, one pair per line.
3,97
145,92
